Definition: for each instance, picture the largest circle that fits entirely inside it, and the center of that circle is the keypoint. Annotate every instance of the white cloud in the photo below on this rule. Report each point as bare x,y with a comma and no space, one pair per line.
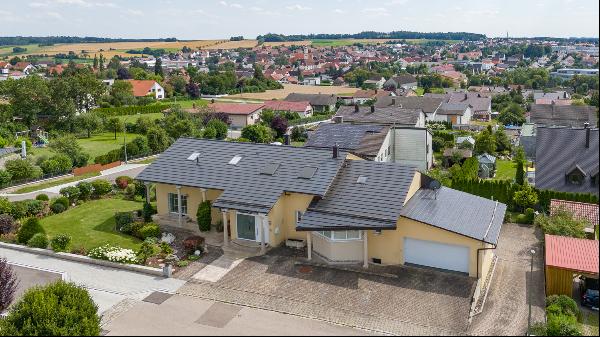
376,11
298,7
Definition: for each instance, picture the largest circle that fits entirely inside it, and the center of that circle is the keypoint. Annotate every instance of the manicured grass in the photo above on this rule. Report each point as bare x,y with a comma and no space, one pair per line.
37,187
505,170
190,103
92,224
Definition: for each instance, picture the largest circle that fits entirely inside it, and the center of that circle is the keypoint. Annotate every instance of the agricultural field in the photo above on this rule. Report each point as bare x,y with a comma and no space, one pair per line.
295,88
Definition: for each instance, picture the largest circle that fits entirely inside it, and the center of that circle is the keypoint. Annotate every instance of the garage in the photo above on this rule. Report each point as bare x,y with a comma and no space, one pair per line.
436,255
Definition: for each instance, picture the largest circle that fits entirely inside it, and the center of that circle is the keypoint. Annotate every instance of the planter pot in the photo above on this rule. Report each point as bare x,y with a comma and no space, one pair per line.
168,270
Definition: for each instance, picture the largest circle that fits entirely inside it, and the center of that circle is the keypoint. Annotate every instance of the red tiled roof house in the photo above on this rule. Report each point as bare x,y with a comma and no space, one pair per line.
240,114
143,88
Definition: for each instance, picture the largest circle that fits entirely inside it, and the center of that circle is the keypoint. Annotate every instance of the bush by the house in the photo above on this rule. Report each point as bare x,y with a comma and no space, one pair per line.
193,243
42,197
22,169
64,201
132,228
60,243
562,223
8,284
113,254
562,313
39,240
59,309
101,188
19,209
129,192
72,193
148,211
30,227
5,206
123,181
7,224
85,190
525,197
147,250
123,219
150,230
203,216
57,208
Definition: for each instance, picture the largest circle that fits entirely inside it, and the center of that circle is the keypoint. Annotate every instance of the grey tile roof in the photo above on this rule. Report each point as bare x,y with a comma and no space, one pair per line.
558,150
350,204
314,99
452,109
243,183
457,212
475,100
387,115
563,115
427,104
361,139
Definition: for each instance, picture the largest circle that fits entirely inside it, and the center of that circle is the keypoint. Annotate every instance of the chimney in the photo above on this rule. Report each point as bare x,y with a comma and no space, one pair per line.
336,151
356,108
587,135
338,119
372,108
286,139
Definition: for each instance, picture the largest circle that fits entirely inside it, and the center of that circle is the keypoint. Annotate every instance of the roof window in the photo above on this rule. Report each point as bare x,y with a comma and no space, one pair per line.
362,180
235,160
194,156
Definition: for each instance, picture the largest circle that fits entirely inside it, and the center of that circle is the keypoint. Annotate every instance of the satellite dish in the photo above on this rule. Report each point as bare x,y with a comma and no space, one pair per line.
435,185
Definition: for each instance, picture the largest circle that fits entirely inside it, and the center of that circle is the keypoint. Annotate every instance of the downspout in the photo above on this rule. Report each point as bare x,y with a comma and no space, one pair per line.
494,246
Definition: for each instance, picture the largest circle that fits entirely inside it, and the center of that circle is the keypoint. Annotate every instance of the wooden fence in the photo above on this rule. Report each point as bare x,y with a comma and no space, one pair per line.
94,168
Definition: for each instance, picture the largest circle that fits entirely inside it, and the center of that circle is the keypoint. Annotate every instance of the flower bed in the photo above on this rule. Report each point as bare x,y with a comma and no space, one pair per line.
114,254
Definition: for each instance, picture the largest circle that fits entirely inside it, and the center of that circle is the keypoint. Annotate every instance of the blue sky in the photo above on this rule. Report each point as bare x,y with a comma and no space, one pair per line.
210,19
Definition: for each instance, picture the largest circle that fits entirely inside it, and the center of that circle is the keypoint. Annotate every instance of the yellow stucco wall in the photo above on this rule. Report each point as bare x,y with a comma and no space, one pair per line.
388,246
338,251
194,196
414,187
282,218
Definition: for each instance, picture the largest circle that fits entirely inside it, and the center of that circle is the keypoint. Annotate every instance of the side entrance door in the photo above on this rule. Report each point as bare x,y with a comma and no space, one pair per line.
246,227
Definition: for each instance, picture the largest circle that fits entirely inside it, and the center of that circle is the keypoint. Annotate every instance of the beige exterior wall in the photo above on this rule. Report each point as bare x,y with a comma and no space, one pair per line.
414,187
338,251
194,196
388,246
282,218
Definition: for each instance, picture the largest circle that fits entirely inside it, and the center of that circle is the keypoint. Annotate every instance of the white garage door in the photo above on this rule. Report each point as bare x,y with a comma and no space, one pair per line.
437,255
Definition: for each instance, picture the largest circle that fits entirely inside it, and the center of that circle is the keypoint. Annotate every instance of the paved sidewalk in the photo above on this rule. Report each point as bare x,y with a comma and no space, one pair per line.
108,286
217,269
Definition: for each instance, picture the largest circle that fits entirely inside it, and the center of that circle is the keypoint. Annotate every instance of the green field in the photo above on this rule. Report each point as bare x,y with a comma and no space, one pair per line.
505,170
92,224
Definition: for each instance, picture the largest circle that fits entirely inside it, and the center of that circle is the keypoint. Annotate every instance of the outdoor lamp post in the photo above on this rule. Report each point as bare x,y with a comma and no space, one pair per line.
530,291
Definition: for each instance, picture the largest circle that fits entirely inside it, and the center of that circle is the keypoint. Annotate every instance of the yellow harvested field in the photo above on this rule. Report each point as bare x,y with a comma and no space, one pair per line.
287,44
232,44
295,88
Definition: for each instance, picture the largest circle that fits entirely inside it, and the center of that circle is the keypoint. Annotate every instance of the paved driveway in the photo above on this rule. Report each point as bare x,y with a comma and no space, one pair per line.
506,310
413,301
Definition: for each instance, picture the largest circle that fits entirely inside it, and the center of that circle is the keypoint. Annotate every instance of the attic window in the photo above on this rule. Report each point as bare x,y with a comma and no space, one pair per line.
194,156
235,160
270,169
307,172
362,180
576,176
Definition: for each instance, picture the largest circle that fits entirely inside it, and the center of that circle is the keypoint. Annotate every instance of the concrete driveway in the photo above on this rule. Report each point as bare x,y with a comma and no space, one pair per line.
411,301
506,310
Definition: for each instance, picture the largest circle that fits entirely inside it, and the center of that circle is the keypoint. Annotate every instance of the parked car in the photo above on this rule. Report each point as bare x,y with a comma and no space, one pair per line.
588,288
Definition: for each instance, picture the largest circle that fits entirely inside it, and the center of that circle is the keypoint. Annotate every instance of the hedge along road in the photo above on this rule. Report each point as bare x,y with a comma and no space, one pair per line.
130,170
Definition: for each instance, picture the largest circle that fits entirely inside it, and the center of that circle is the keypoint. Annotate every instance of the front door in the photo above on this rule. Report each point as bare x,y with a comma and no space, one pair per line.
246,227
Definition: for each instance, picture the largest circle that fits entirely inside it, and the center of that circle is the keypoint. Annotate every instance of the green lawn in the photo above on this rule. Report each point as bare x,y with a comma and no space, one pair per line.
92,224
133,119
505,170
187,104
37,187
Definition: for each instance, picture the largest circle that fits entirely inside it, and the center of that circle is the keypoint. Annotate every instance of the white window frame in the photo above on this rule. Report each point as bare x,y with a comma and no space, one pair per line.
173,200
299,215
346,239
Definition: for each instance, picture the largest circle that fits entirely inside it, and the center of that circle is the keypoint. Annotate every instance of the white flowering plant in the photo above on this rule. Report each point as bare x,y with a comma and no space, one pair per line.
114,254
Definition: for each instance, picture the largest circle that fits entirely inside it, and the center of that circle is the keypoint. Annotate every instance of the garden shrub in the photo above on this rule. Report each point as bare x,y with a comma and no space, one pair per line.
7,224
39,240
562,223
123,181
114,254
193,243
19,210
149,231
8,285
30,228
146,251
72,193
563,325
59,309
61,200
166,249
6,207
123,219
60,243
203,216
183,264
565,305
57,208
148,211
129,192
33,207
132,228
101,188
85,190
42,197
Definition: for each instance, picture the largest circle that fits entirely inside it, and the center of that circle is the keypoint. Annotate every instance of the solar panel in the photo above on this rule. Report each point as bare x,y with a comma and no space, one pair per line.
235,160
270,169
362,180
307,172
194,156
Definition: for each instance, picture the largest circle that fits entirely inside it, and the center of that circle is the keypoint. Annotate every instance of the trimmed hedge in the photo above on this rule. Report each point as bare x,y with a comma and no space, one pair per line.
131,110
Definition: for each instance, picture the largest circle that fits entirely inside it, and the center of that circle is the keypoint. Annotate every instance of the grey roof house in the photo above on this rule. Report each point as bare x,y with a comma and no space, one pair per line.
319,102
563,115
567,159
429,105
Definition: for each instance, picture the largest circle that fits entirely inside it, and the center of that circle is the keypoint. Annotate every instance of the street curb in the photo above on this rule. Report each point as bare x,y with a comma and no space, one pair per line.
85,259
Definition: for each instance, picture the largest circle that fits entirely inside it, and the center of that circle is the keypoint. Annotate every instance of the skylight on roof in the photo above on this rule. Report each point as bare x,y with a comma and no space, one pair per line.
362,180
235,160
270,169
307,172
194,156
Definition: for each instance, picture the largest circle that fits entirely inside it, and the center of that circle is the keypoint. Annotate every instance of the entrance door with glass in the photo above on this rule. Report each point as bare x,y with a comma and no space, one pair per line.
246,227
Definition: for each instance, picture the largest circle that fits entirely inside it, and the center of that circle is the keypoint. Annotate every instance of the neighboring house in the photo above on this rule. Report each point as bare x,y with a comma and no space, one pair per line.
563,115
487,166
363,96
4,68
311,81
567,74
429,105
304,109
580,211
375,82
367,141
143,88
319,102
481,106
411,140
527,140
408,82
457,114
456,156
567,159
24,67
343,210
240,114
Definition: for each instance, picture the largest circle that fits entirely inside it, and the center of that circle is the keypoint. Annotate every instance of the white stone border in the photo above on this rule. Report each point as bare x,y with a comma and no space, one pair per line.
85,259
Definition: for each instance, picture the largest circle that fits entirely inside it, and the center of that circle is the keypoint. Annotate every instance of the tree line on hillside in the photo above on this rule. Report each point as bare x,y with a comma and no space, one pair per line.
463,36
51,40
